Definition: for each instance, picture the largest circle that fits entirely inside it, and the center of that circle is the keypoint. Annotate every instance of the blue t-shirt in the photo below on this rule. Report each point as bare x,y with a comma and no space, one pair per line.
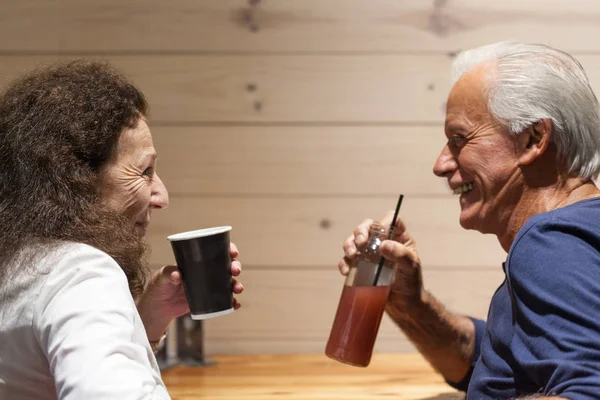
543,329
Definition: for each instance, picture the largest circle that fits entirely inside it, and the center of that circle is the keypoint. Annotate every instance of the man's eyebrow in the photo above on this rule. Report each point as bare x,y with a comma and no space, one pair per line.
455,128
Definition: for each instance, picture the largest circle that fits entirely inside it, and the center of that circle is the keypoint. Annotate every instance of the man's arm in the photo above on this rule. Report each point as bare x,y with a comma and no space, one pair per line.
446,340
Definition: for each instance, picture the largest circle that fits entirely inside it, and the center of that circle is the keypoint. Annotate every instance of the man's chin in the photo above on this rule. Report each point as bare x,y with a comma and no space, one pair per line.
468,221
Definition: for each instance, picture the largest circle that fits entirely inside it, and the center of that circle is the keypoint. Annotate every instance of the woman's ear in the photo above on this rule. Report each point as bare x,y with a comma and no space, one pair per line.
534,141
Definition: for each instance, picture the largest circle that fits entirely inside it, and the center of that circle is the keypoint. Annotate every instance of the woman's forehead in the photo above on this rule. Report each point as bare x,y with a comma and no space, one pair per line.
136,141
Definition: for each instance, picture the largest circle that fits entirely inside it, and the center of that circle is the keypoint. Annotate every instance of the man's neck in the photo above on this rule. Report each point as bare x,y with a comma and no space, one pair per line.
535,201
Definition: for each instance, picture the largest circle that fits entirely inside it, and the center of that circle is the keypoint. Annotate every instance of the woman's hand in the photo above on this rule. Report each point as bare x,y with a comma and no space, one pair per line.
164,297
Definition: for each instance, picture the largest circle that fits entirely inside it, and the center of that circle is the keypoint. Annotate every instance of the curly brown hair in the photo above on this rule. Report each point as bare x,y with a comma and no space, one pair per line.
59,125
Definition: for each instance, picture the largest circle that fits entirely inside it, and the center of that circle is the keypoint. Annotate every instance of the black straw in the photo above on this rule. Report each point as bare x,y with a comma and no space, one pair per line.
390,236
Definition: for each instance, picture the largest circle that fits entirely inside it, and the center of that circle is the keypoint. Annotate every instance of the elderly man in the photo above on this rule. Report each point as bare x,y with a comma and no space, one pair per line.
523,146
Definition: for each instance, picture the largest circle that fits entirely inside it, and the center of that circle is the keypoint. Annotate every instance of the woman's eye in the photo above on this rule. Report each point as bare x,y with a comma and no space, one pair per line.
149,172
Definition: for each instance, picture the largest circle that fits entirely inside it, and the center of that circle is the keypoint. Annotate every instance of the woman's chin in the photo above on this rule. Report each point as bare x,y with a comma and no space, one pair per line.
141,229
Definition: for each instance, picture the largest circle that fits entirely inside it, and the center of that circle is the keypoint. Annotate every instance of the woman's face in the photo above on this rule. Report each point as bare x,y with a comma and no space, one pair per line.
129,182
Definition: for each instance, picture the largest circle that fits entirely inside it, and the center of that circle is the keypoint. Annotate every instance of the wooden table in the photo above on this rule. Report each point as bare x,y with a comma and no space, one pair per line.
308,377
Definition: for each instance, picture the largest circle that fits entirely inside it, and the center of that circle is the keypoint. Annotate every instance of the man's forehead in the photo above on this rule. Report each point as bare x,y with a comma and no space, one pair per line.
469,91
478,77
467,104
470,80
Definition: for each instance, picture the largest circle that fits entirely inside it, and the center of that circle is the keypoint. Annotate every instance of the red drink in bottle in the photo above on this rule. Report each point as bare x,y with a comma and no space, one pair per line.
361,305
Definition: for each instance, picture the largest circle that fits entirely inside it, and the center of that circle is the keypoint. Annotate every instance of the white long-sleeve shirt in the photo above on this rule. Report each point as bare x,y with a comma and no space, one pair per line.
72,332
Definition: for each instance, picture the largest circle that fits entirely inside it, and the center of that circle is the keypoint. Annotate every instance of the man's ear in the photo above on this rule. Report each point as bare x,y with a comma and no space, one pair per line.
535,141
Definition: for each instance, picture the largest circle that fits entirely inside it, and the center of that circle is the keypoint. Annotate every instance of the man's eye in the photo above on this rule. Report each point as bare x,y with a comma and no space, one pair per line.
457,141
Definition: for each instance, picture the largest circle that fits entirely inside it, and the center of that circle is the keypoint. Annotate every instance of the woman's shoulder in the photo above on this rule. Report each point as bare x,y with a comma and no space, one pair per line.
76,261
81,270
79,276
70,249
38,265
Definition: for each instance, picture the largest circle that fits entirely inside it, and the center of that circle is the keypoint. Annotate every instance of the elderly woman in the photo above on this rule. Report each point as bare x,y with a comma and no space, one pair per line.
78,186
523,145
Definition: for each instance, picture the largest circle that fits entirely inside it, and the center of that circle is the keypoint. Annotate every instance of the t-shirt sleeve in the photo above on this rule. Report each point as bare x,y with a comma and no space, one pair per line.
479,330
85,321
554,276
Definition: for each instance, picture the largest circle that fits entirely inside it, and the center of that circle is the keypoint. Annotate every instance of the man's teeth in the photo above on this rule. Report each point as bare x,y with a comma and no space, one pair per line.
464,188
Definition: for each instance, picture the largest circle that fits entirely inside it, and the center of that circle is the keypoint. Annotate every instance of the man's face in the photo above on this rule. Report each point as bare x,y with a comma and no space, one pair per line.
480,159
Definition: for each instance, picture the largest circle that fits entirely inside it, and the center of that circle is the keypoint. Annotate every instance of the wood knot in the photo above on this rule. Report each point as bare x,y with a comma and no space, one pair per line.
325,223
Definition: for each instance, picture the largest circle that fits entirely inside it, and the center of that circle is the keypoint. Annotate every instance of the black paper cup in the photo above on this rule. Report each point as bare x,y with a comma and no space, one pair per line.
204,261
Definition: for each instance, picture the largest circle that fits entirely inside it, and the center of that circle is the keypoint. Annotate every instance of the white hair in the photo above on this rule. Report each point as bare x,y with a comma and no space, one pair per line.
530,82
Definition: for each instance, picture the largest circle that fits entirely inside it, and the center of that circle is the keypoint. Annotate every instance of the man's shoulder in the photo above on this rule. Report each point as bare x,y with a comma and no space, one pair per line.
566,224
556,244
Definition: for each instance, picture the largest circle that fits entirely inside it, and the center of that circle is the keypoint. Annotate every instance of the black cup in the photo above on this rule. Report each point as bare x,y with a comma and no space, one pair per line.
204,260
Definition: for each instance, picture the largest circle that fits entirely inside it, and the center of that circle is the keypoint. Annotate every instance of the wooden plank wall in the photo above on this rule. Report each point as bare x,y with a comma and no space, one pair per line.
293,120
